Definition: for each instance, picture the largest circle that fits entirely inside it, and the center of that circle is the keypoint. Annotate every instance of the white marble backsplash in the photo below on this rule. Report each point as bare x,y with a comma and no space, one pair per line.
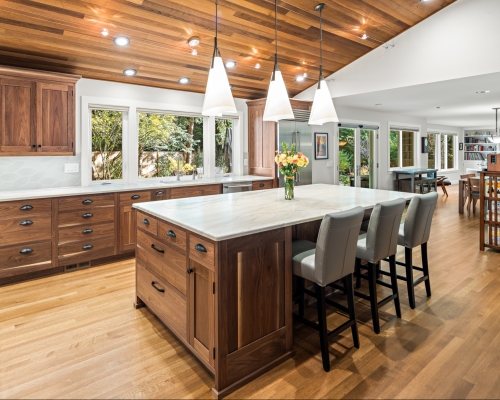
37,172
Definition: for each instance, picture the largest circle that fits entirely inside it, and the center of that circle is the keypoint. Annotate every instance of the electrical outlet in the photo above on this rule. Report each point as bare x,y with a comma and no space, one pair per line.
329,164
71,168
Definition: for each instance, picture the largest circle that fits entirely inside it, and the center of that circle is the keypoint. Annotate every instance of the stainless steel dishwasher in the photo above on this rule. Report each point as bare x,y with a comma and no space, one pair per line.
234,187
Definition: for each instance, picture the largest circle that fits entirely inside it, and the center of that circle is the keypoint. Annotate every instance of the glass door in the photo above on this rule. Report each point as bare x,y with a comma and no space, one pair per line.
356,155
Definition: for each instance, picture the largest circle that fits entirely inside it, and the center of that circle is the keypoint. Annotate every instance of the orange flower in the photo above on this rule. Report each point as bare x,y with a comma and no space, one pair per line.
300,154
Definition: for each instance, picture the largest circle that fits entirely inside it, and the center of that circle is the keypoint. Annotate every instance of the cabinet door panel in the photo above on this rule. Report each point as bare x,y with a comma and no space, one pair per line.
127,228
201,310
16,116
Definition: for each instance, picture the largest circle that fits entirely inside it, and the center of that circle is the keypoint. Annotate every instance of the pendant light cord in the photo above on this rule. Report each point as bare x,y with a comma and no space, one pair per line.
276,67
216,46
320,47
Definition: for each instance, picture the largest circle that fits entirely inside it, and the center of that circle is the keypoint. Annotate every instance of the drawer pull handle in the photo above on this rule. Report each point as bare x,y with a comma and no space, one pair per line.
88,201
158,250
153,283
26,223
135,197
88,215
189,271
159,192
200,247
87,247
26,251
24,208
171,233
261,185
145,221
85,231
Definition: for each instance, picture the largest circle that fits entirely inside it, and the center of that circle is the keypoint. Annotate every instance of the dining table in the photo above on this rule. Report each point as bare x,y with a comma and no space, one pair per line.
414,176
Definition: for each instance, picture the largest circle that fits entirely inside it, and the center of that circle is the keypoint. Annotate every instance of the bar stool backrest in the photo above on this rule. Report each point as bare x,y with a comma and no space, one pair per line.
383,228
417,225
336,245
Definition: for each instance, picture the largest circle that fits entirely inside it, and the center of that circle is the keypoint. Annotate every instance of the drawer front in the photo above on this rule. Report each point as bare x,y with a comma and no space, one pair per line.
202,251
86,232
91,249
134,197
24,258
195,191
25,208
86,217
261,185
147,223
167,262
166,302
86,202
173,235
31,227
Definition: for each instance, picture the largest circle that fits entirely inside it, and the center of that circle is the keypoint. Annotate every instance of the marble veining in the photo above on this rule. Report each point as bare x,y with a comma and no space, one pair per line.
227,216
11,195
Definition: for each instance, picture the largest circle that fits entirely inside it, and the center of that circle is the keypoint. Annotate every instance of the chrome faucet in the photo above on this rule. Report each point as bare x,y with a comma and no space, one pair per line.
179,158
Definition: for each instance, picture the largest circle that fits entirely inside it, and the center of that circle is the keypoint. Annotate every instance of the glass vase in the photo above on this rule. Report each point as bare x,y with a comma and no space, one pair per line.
289,184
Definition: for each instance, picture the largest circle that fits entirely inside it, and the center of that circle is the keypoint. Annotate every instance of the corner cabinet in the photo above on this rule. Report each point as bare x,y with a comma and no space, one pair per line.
37,112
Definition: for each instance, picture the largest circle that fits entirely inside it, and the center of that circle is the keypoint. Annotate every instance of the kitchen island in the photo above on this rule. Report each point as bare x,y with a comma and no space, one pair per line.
217,271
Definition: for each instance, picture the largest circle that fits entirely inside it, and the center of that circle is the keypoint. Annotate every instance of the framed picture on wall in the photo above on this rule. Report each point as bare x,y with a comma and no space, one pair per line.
425,145
460,146
320,146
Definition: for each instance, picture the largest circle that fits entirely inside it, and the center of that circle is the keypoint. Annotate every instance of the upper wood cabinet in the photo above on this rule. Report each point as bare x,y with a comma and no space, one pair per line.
262,137
37,112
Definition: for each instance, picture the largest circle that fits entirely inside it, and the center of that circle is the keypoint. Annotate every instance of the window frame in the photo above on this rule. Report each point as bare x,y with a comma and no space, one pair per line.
236,128
438,159
415,129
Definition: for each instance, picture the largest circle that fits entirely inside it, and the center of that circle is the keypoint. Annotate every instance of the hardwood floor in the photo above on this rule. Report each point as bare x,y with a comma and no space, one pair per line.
78,336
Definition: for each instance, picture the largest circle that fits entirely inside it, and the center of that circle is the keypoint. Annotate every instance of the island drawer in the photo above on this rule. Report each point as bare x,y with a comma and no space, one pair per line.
86,217
165,260
134,197
24,208
91,249
28,227
147,223
172,234
166,302
261,185
195,191
86,232
23,258
202,251
86,202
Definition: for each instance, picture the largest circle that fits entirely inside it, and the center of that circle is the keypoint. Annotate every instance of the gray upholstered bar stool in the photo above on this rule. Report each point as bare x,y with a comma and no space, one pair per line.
328,260
380,242
415,231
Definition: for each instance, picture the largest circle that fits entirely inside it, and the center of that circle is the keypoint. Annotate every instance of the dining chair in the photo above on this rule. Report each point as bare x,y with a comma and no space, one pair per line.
472,194
441,182
466,184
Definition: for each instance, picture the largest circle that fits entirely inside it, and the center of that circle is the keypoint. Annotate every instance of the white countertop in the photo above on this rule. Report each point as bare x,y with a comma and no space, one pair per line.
11,195
231,215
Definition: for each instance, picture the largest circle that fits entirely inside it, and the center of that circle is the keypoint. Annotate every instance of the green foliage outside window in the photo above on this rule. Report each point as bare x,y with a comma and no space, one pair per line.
107,156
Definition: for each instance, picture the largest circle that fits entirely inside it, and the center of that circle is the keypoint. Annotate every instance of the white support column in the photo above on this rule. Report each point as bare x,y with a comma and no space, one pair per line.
133,145
209,147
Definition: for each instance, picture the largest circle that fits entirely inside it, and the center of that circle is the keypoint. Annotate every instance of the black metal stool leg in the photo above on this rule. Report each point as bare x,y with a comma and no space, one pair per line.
348,284
323,331
409,276
394,284
300,290
425,267
357,270
372,286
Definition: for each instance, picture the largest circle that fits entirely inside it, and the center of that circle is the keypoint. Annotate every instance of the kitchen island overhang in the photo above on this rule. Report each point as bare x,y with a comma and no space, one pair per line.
217,271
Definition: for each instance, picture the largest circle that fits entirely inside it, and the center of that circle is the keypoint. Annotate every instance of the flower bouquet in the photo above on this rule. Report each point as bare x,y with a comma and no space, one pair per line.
290,162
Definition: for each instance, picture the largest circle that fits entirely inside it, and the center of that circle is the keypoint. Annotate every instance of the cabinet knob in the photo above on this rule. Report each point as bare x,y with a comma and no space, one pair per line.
171,233
26,223
135,196
85,231
87,215
26,251
24,208
153,283
87,247
261,185
158,250
39,145
200,247
34,146
145,221
189,271
88,201
159,192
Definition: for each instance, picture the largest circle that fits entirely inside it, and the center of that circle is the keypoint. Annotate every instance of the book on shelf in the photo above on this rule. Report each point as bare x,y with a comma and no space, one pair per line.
474,156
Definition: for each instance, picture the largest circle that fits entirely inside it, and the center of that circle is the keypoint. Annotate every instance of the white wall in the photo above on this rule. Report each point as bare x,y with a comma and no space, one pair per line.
457,42
321,173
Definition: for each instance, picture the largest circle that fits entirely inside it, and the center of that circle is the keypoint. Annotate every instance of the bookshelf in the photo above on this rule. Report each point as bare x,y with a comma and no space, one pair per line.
477,146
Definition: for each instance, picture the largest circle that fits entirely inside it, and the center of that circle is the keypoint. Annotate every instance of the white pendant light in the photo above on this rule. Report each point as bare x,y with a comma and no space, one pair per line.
278,105
218,96
322,110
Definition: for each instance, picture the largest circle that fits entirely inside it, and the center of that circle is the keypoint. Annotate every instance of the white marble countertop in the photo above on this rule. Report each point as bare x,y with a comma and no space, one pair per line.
11,195
231,215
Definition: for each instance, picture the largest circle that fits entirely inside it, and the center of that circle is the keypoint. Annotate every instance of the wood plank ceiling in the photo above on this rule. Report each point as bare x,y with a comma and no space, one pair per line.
65,36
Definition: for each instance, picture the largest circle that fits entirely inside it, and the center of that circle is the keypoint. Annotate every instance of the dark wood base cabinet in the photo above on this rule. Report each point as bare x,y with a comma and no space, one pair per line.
228,302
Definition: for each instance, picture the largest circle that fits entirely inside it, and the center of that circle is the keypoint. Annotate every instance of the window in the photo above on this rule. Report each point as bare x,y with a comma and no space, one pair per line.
223,145
431,156
107,144
169,145
441,151
401,148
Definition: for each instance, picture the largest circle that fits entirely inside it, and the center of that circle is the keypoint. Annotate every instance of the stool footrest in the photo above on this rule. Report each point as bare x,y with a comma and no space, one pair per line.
337,305
362,295
341,328
387,285
386,300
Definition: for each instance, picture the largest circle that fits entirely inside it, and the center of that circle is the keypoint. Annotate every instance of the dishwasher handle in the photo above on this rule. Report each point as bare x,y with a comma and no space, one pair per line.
237,186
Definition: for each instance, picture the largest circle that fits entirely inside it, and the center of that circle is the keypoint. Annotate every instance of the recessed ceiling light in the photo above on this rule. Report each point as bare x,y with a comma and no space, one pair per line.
231,86
304,75
438,107
230,64
257,66
378,104
300,78
129,72
364,37
183,80
121,41
194,52
483,92
104,32
194,41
